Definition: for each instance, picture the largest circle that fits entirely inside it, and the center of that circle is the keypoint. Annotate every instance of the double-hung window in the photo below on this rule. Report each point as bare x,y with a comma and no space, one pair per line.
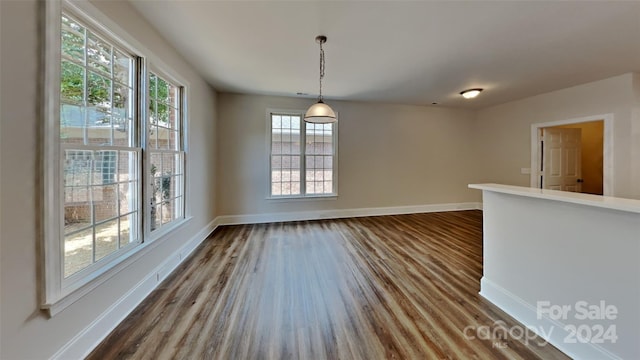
114,160
99,148
302,157
166,151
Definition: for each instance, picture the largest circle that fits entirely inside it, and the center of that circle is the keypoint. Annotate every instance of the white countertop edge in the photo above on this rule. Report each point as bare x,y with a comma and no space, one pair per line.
607,202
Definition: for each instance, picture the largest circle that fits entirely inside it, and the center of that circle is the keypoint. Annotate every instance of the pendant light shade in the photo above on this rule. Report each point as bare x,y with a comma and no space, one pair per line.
320,113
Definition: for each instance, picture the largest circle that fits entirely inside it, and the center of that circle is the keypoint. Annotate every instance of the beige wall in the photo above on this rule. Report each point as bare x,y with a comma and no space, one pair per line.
592,156
503,132
26,332
388,155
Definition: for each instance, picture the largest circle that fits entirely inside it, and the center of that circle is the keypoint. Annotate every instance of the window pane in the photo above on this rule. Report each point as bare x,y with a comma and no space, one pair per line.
121,115
71,83
72,39
156,163
153,80
328,162
310,176
286,122
162,94
167,211
311,187
163,138
77,168
310,162
105,202
295,162
162,188
97,128
78,251
99,91
162,114
77,214
276,188
152,139
276,175
286,175
153,118
155,217
276,144
276,121
169,163
71,124
92,194
122,65
106,239
328,187
99,54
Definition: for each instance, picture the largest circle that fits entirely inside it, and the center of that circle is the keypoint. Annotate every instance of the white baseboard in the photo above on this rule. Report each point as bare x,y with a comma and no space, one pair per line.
527,314
343,213
87,339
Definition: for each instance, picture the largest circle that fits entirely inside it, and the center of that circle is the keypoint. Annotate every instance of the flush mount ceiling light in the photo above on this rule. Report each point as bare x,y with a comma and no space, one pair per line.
471,93
320,113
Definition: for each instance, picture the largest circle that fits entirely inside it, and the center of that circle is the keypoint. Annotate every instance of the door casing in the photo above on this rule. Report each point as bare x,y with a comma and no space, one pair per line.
607,149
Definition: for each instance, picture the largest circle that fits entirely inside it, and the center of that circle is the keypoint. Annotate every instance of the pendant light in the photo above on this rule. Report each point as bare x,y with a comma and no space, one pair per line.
320,113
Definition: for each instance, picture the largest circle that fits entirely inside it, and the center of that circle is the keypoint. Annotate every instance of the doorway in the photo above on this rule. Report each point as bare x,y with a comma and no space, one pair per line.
573,155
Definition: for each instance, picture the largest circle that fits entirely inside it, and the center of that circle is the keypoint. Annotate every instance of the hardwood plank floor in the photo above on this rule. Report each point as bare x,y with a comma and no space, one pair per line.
388,287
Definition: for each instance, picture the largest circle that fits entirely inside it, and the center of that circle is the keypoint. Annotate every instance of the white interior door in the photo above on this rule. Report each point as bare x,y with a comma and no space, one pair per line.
562,159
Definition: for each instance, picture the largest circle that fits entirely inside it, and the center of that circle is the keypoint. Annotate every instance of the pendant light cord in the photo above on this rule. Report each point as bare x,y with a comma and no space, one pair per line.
321,69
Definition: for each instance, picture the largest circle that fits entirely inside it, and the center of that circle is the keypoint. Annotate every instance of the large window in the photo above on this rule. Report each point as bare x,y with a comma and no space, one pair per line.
114,159
303,157
99,147
166,152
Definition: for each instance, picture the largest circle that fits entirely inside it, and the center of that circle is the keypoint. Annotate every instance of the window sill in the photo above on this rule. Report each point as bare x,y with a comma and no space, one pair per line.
110,269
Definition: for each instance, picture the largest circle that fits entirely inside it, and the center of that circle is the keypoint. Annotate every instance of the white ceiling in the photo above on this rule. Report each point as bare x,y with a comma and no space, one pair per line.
399,51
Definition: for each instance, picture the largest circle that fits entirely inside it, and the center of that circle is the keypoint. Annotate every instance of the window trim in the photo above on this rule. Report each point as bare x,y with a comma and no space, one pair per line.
302,196
55,297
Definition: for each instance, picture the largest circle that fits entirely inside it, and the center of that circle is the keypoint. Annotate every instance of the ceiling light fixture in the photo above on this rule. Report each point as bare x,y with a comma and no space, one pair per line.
320,113
471,93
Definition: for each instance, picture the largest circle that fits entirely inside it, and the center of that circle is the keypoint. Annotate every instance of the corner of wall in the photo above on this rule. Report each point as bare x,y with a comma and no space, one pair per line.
635,81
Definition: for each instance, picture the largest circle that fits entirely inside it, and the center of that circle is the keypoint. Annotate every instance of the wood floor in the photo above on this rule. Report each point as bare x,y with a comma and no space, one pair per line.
389,287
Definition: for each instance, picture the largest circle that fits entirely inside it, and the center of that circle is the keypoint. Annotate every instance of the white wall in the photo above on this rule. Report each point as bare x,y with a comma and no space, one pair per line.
503,132
389,155
26,332
562,252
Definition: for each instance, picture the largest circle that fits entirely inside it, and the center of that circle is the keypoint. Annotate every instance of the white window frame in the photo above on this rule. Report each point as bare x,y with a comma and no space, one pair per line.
57,294
303,184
